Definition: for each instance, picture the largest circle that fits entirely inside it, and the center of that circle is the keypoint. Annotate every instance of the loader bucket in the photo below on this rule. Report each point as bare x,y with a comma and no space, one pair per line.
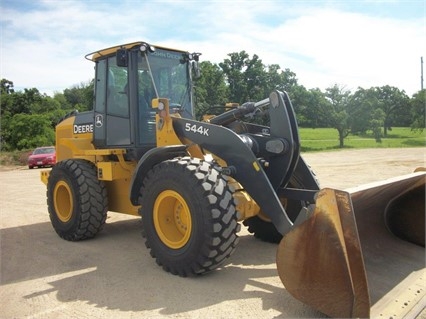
360,254
391,223
320,261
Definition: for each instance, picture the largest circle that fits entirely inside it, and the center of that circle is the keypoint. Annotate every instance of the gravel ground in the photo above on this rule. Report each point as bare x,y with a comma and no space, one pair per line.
113,275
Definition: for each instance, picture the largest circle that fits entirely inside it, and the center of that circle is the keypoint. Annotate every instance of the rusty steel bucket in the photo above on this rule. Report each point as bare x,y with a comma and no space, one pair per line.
361,253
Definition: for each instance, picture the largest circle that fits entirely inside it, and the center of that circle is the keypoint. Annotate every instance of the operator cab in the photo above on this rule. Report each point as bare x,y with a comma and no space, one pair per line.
127,78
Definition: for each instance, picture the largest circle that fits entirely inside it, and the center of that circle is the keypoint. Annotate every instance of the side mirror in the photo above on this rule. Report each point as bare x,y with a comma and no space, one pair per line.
196,69
122,57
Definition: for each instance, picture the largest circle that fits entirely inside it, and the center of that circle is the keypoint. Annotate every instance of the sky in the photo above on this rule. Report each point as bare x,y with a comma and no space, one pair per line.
363,43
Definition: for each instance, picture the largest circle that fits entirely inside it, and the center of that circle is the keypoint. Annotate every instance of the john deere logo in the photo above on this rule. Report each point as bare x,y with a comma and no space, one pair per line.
99,120
83,128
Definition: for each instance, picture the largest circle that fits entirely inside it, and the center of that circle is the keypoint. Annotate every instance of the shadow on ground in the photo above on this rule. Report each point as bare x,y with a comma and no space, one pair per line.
115,271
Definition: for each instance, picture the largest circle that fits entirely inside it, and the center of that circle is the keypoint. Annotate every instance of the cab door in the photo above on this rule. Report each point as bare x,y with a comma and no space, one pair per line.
112,124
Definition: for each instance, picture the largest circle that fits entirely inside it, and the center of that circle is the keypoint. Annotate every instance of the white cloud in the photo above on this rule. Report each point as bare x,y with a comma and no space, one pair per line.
323,45
327,46
356,50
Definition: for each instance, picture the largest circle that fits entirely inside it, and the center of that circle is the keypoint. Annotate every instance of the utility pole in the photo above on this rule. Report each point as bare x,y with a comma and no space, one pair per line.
421,73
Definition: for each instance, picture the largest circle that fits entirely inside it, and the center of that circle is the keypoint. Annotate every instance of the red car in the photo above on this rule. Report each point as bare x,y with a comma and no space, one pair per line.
42,156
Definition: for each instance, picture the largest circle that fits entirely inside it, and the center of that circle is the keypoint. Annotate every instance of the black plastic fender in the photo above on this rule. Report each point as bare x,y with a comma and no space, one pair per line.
147,161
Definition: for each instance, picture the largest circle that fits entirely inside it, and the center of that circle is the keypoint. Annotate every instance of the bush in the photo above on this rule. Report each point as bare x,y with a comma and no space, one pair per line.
15,158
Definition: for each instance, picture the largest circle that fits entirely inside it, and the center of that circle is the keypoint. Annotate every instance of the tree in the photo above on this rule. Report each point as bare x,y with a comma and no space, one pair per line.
29,131
273,79
393,103
360,109
28,118
335,111
239,78
376,124
288,81
255,75
210,88
30,101
6,97
245,77
305,104
6,87
80,97
285,80
20,102
418,106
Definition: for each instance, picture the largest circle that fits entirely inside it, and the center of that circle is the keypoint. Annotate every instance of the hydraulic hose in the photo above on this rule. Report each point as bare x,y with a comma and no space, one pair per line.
234,114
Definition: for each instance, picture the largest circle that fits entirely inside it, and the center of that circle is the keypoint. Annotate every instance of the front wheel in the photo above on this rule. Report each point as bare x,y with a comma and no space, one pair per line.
76,199
188,216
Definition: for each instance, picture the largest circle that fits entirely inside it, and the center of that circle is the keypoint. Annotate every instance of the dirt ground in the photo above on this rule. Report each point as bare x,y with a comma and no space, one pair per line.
113,275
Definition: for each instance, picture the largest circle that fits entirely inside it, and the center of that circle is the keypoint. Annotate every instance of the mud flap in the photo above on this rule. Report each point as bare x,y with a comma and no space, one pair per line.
320,261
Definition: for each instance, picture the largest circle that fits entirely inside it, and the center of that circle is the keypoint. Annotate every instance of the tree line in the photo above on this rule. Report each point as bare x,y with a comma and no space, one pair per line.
28,117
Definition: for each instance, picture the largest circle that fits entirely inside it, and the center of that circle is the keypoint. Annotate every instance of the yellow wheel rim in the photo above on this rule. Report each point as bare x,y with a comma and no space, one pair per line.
172,219
62,198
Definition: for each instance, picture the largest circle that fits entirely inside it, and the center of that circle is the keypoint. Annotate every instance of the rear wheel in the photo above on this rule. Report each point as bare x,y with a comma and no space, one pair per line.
262,227
76,200
188,216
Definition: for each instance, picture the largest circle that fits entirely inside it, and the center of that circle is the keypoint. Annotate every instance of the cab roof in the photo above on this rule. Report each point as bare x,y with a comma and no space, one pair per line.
96,55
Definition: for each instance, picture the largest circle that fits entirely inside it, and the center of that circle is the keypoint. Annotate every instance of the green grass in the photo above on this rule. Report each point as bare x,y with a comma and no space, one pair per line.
322,139
313,140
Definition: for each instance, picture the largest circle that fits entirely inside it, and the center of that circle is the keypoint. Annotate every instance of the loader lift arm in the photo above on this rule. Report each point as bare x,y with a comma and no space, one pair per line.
239,152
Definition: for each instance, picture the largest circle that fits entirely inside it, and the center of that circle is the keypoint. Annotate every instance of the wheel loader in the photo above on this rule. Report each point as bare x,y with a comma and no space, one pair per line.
141,152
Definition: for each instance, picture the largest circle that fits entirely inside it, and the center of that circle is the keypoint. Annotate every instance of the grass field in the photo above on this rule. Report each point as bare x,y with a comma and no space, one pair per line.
322,139
312,140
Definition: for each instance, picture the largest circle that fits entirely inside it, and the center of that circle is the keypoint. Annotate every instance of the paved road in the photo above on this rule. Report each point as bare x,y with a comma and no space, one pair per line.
113,276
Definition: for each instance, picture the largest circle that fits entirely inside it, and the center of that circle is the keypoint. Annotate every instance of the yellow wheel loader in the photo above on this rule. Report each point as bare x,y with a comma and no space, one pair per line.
141,152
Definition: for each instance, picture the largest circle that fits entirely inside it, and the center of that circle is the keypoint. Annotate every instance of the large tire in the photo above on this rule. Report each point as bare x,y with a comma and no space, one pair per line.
261,226
77,201
188,216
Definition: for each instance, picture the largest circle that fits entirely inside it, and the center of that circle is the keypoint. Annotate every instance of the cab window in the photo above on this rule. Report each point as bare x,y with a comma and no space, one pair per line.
117,89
